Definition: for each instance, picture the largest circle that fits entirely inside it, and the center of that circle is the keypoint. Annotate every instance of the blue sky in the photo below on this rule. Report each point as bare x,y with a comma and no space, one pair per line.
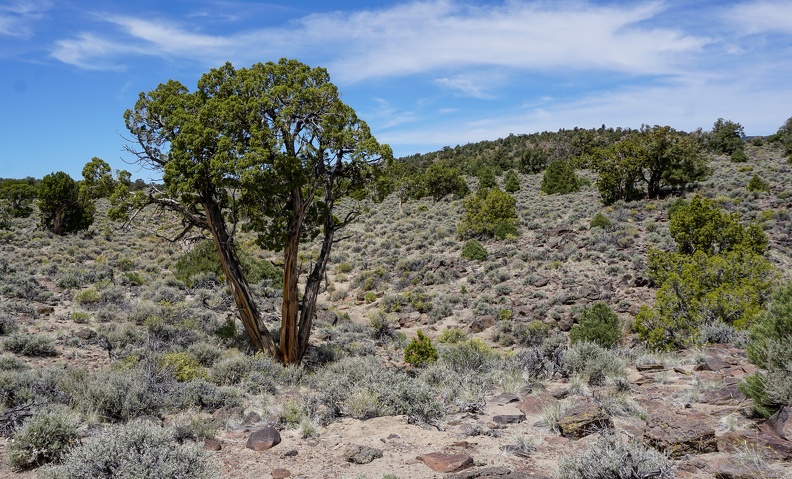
423,74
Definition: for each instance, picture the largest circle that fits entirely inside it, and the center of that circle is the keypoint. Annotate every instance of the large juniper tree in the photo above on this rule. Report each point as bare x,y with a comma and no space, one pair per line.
272,145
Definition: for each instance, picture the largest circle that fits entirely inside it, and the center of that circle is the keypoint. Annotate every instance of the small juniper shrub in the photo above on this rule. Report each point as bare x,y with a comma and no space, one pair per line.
420,351
600,221
474,250
757,184
597,324
738,156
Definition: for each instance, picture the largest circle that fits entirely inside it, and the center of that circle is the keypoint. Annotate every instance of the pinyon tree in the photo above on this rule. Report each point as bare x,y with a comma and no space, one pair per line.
272,145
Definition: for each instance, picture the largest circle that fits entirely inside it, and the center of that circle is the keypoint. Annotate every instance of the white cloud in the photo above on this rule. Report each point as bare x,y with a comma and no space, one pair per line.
761,16
16,16
475,86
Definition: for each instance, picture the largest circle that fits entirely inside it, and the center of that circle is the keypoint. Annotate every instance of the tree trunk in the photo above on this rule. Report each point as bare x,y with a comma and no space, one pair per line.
232,268
289,345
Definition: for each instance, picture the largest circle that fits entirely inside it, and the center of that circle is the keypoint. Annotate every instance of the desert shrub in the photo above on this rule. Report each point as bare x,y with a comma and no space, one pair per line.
363,388
757,184
485,212
207,396
597,324
9,362
203,259
121,395
545,360
511,182
560,177
183,366
30,344
45,437
420,351
600,221
738,156
593,362
382,327
452,336
139,449
205,353
486,177
768,348
530,334
439,180
474,250
470,356
7,325
344,268
612,458
20,386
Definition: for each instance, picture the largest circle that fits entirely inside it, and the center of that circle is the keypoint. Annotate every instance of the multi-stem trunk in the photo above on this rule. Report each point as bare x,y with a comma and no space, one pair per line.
289,344
232,268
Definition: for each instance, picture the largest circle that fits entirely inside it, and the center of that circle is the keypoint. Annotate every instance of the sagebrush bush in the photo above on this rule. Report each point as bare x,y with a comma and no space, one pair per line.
30,344
610,457
452,336
120,396
7,325
420,351
593,362
600,221
597,324
769,349
138,450
45,437
470,356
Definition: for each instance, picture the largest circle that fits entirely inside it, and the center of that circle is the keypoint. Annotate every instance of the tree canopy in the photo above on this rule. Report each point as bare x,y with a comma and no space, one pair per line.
62,208
272,144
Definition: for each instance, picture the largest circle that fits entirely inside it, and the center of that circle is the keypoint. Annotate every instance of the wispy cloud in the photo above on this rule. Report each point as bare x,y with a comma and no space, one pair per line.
16,16
763,16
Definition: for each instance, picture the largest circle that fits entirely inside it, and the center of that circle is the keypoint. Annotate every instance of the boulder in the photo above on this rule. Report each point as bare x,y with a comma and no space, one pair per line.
680,432
212,444
481,323
263,439
509,418
491,473
781,423
503,399
725,396
280,473
581,420
768,445
361,454
444,463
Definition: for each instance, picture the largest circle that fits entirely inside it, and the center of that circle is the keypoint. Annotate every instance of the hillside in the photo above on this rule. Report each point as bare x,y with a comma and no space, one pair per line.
107,328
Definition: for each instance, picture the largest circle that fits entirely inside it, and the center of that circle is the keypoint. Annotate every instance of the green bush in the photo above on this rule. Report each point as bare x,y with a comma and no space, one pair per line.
138,450
511,182
560,177
183,366
726,137
30,344
768,349
420,351
45,437
61,207
203,259
600,221
488,212
757,184
470,356
597,324
593,362
474,250
452,336
739,156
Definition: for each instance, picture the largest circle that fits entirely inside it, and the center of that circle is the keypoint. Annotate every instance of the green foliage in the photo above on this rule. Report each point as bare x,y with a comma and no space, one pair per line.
470,356
701,225
30,344
717,275
99,182
770,338
726,137
533,160
474,250
738,156
511,182
784,137
45,437
488,211
597,324
19,194
202,259
452,336
593,362
441,179
420,351
486,177
560,177
600,221
61,207
757,184
647,162
183,366
139,449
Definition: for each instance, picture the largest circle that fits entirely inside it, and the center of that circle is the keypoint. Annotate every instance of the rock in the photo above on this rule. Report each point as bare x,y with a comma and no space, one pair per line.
680,432
327,316
45,310
726,396
541,282
212,444
503,399
251,418
361,454
280,473
710,363
781,423
729,469
589,292
481,323
649,367
532,405
86,334
768,445
583,419
290,453
263,439
509,418
444,463
565,324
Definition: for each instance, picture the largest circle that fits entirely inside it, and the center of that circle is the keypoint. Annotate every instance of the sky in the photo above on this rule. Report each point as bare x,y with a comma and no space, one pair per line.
423,74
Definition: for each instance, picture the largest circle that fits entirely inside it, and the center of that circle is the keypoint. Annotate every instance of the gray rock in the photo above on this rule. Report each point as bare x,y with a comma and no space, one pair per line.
361,454
509,418
263,439
583,419
680,432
